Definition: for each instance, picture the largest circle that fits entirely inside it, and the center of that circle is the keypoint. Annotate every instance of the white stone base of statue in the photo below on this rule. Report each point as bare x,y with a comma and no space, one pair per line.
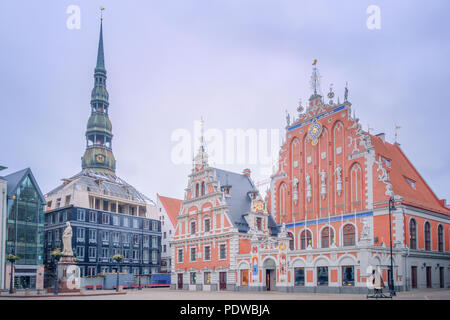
68,275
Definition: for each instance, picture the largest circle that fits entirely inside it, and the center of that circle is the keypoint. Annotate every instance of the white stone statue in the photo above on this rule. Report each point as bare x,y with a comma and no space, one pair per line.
323,187
295,191
67,240
308,188
338,172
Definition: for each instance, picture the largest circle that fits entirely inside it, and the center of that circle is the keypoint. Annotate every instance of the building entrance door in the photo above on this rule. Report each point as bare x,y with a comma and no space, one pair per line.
441,277
180,281
414,277
222,280
268,279
429,277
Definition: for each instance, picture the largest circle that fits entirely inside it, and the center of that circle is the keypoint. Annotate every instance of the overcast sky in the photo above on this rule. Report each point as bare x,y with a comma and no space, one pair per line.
239,64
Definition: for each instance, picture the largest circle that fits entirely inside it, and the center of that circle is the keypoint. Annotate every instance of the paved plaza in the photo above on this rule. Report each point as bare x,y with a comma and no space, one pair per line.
167,294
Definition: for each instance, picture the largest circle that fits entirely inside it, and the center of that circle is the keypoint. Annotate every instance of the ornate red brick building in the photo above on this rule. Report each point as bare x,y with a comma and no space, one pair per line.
325,224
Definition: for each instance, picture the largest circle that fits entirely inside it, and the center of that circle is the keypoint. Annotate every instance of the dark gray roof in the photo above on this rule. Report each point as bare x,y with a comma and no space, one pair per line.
109,184
15,179
239,201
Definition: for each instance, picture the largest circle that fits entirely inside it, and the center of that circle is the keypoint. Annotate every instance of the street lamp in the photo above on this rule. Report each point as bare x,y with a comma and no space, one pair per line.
56,255
12,259
117,258
391,278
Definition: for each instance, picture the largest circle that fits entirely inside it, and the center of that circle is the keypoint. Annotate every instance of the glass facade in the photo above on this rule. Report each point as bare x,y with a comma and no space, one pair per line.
25,224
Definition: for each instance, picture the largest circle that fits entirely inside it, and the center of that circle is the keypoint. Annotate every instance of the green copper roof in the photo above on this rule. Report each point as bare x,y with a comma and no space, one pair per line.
98,155
100,54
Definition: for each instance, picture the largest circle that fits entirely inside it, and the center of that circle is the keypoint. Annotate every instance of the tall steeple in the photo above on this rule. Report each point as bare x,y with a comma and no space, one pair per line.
98,154
201,159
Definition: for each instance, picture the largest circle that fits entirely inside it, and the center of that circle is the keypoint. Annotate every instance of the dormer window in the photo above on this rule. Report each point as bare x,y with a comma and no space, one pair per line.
412,183
259,224
386,161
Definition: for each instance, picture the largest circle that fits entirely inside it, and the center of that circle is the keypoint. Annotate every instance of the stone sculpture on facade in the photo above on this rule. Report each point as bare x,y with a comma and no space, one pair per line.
295,190
323,185
338,173
308,188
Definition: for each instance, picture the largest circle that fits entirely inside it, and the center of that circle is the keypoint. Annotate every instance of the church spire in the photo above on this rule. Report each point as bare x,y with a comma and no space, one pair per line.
100,54
98,155
201,160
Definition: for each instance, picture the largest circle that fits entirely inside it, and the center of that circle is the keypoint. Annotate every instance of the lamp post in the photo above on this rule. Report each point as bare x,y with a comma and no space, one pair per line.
141,253
12,259
56,255
117,258
391,279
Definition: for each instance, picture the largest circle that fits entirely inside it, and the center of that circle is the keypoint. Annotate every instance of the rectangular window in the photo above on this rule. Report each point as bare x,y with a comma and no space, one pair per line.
180,255
105,236
146,224
135,239
164,248
135,254
207,225
105,252
135,223
164,235
193,277
207,253
124,238
244,277
193,254
116,237
58,202
126,222
105,218
91,271
299,276
67,200
348,276
155,225
92,252
222,251
258,223
92,235
193,227
80,253
80,234
81,214
155,242
322,276
92,216
207,278
116,220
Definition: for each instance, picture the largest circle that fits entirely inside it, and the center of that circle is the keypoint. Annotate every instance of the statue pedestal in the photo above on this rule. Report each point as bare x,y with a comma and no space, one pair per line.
68,275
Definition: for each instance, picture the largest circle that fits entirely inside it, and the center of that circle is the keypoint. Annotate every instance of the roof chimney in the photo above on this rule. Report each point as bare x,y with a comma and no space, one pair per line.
247,172
382,136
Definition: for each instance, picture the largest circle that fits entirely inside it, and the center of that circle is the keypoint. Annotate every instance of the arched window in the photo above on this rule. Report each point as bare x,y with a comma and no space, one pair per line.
305,239
283,202
196,190
440,238
349,235
412,234
427,236
203,188
291,241
327,237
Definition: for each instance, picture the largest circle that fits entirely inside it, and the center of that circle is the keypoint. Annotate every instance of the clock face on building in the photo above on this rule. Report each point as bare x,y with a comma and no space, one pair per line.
314,132
100,158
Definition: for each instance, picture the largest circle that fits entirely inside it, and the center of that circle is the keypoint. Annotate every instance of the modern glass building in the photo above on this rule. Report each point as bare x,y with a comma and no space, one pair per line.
23,228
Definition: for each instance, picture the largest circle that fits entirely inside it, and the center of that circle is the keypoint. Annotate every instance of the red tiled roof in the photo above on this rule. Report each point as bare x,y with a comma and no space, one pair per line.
401,168
172,207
